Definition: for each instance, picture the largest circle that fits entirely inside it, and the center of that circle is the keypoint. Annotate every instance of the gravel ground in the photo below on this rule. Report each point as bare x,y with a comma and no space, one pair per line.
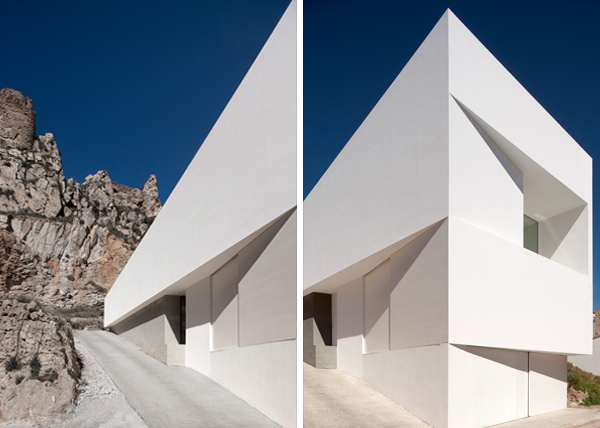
99,404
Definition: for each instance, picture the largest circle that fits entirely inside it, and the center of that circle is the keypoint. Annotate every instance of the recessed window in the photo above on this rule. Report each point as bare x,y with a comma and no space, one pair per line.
530,234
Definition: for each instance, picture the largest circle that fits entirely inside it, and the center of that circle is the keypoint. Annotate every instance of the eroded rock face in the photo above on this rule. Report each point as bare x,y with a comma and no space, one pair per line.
62,242
62,245
27,331
17,118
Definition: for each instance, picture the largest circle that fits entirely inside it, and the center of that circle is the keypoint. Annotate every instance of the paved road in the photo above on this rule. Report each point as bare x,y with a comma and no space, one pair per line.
572,417
165,396
334,399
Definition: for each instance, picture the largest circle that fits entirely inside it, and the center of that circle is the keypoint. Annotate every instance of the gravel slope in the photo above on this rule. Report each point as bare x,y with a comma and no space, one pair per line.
99,404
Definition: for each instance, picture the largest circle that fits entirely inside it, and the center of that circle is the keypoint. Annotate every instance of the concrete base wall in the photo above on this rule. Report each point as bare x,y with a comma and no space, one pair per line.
547,383
263,375
156,330
486,386
315,351
448,385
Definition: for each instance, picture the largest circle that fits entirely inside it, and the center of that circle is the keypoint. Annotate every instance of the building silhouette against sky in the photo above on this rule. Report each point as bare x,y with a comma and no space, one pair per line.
453,234
212,285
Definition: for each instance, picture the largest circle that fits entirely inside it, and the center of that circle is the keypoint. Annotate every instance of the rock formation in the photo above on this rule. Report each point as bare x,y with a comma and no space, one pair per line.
40,372
61,242
62,245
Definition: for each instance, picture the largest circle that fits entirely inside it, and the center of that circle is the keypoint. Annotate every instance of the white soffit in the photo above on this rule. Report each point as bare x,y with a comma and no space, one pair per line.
361,268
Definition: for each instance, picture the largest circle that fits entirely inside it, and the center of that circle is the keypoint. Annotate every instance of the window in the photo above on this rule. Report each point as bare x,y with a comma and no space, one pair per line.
530,234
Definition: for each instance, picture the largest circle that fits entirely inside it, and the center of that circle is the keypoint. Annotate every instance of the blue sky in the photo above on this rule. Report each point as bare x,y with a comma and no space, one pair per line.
134,87
131,87
353,53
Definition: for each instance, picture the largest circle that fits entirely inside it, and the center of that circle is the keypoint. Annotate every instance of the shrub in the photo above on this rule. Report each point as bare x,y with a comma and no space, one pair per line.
35,366
50,375
593,390
12,364
575,381
19,379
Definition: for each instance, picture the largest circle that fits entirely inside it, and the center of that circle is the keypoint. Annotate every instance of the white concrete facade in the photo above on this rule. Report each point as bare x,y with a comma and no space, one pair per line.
226,241
417,229
589,363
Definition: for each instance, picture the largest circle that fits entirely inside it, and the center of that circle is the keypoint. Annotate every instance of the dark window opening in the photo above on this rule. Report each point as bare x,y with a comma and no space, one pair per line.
182,320
530,234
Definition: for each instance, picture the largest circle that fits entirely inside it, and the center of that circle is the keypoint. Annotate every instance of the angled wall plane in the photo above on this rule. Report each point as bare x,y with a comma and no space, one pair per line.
212,285
453,235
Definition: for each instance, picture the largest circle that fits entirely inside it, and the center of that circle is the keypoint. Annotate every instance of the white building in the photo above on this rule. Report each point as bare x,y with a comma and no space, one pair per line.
212,285
454,233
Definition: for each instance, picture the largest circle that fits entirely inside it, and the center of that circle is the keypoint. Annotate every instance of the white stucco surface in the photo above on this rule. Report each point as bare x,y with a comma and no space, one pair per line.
397,165
502,295
226,240
242,178
486,386
547,383
417,228
589,363
270,285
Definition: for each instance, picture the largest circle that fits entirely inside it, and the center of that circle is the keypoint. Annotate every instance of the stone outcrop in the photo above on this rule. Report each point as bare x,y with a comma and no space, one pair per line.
40,369
62,242
17,118
62,245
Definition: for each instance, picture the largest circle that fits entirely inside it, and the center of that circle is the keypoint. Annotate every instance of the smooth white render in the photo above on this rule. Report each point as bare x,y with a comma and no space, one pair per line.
226,239
417,231
589,363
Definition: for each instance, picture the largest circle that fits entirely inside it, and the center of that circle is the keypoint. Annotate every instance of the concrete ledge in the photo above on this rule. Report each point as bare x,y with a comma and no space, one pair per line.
321,356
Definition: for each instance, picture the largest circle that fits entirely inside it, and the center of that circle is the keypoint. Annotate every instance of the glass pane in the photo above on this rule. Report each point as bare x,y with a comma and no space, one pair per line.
530,234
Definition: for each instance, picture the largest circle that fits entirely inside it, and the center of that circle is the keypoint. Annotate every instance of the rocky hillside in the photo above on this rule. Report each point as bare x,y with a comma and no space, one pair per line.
40,372
62,245
61,242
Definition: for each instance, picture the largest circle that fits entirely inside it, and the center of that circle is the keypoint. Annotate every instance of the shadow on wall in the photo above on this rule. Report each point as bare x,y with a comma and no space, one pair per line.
224,282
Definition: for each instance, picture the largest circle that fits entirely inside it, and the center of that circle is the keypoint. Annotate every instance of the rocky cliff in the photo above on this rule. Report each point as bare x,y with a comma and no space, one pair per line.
62,245
40,366
61,242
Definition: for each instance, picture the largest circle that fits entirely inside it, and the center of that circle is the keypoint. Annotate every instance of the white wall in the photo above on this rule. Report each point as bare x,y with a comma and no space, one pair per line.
241,323
419,294
225,239
224,306
390,180
377,288
486,386
502,295
486,188
589,363
416,378
263,375
242,179
547,383
267,293
431,190
198,326
565,239
480,82
349,310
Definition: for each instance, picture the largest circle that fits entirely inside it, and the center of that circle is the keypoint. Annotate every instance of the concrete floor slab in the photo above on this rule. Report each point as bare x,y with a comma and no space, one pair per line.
167,396
333,398
571,417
